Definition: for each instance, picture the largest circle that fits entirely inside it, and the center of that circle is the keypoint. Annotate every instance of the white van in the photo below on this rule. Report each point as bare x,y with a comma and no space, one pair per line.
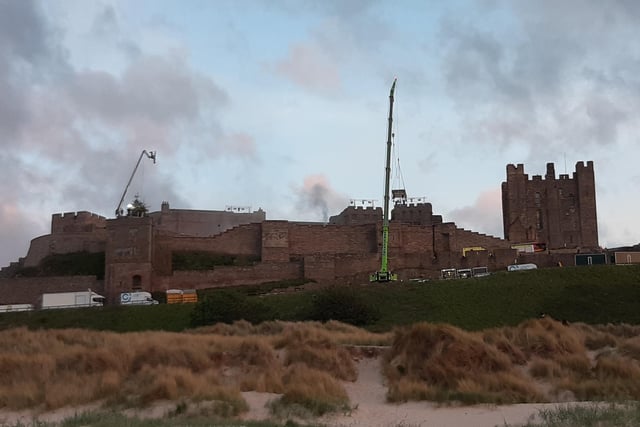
521,267
137,298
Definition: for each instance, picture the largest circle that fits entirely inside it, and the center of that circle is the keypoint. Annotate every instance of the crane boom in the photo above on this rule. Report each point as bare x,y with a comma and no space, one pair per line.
149,154
384,275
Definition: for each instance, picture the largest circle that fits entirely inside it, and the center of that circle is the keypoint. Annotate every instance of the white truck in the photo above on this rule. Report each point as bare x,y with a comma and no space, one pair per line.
137,298
6,308
77,299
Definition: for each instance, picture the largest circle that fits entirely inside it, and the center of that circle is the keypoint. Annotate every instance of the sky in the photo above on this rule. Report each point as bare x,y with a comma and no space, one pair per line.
283,104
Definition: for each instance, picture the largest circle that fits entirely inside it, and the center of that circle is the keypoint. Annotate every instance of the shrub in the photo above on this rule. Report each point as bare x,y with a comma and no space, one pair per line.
344,304
71,264
315,390
227,307
201,260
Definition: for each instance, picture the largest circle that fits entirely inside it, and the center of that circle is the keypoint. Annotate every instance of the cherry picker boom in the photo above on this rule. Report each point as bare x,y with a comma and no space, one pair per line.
149,154
384,275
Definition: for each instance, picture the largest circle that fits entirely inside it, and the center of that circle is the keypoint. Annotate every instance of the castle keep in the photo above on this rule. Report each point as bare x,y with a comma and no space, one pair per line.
557,212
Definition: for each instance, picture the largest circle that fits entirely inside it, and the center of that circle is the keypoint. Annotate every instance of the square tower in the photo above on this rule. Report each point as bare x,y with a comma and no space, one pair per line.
559,212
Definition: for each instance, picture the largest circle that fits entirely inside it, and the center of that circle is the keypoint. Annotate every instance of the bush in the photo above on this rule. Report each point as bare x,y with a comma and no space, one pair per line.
201,260
227,307
343,304
70,264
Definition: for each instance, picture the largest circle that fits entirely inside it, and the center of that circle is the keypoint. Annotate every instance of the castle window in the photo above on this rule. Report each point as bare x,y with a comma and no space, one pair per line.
136,282
537,199
539,219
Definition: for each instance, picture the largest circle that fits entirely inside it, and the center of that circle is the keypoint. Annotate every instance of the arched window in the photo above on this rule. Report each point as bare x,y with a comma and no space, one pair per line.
136,282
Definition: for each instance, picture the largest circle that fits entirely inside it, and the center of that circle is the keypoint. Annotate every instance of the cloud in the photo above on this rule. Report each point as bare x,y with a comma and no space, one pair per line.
485,215
316,199
347,37
563,78
308,66
70,137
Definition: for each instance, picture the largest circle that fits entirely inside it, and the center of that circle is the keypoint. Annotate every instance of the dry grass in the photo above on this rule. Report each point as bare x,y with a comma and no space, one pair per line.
55,368
314,390
316,349
539,360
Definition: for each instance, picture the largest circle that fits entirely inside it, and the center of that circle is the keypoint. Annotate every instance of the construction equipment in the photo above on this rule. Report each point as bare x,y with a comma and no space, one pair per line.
149,154
384,275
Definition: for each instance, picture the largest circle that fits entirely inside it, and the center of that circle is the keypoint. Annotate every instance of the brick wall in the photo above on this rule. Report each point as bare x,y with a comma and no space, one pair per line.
275,241
229,276
308,239
202,223
27,290
240,240
75,222
63,243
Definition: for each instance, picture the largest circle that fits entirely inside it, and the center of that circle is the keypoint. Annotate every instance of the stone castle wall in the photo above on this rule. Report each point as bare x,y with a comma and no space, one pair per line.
560,212
27,290
76,222
201,223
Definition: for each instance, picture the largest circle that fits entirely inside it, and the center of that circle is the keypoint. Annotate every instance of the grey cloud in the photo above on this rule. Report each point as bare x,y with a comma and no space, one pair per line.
560,83
347,33
23,33
105,23
70,137
159,89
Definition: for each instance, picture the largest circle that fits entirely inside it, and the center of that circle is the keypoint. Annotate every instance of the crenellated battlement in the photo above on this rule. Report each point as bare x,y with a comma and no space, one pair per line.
581,165
352,215
515,169
76,222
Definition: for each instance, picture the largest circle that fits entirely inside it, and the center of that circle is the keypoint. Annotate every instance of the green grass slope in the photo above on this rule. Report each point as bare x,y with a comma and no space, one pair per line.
595,295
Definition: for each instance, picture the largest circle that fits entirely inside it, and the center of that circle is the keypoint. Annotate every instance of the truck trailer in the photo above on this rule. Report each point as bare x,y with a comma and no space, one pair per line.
77,299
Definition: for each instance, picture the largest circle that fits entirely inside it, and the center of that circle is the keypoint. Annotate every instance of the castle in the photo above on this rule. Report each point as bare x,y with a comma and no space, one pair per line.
140,250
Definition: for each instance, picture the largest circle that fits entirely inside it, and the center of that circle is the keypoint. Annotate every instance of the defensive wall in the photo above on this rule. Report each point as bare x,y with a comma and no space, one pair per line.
27,290
60,243
76,222
201,223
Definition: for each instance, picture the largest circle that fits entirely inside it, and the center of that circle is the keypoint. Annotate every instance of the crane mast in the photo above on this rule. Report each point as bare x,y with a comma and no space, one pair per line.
384,275
149,154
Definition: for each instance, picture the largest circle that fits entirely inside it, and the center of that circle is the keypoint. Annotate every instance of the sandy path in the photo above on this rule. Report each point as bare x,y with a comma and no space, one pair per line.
368,396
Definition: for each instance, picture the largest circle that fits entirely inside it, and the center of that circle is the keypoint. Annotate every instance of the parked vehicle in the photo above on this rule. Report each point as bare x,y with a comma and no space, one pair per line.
78,299
521,267
6,308
137,298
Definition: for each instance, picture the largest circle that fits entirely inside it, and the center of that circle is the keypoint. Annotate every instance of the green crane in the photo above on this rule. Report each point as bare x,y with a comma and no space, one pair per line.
384,275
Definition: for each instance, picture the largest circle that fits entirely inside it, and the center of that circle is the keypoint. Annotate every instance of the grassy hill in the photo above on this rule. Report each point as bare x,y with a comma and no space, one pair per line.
594,295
